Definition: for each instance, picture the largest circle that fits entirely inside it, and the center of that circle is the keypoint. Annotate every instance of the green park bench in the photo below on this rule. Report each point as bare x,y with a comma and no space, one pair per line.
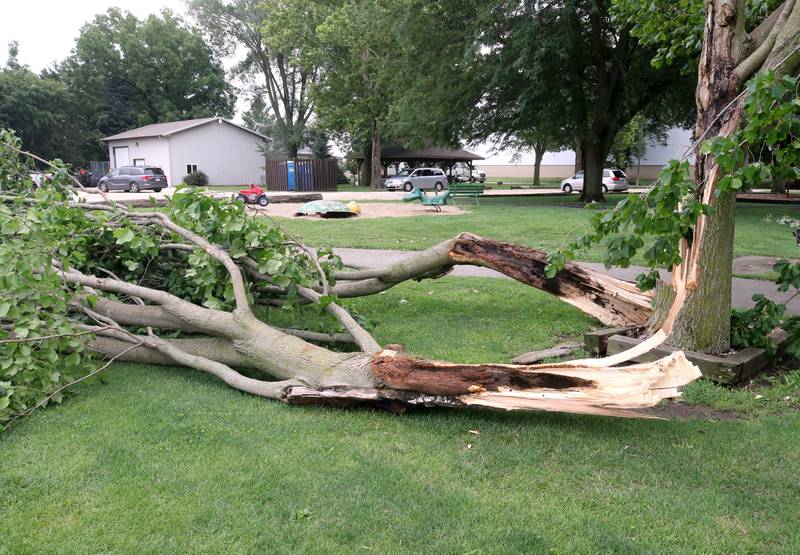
473,190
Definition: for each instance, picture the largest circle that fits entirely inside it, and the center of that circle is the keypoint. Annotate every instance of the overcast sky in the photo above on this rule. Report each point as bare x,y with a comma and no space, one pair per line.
46,29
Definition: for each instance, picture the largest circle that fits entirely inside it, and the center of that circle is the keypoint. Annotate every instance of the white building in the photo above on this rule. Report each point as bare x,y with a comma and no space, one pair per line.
509,163
227,153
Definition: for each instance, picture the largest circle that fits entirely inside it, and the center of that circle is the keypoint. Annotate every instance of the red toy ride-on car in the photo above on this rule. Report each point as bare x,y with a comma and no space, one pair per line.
253,195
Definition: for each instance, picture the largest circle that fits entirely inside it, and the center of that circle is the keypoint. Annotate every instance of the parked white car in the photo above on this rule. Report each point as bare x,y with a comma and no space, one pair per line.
613,180
462,174
419,178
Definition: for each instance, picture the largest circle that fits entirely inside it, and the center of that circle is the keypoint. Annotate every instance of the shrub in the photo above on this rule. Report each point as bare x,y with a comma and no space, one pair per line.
196,179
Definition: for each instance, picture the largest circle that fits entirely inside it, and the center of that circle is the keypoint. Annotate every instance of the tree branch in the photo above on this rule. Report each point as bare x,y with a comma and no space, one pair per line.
363,339
237,280
755,60
612,301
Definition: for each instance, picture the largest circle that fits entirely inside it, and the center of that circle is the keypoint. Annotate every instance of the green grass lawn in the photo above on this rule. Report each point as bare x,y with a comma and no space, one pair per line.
541,222
162,460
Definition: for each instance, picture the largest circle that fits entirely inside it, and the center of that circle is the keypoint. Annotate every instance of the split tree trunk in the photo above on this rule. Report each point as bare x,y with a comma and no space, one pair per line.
703,323
729,57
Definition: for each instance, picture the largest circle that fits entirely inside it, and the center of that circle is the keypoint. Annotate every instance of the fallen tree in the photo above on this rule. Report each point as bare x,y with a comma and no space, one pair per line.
122,283
184,286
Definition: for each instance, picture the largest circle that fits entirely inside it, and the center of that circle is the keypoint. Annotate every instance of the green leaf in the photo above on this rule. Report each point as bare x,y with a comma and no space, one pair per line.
123,235
325,300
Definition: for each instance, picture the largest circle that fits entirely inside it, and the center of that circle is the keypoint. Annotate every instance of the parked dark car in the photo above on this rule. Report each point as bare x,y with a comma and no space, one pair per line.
134,179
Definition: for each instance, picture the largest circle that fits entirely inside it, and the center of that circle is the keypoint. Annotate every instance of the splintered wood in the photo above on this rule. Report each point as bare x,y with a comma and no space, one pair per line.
561,387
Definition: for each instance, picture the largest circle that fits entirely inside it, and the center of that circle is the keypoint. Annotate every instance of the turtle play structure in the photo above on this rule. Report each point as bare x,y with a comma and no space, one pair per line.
329,209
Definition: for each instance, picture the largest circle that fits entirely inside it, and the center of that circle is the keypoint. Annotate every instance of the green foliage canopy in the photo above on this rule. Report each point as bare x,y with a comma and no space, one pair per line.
130,72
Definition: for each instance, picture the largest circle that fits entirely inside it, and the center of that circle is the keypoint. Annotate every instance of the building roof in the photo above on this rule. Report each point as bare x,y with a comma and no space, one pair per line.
395,152
169,128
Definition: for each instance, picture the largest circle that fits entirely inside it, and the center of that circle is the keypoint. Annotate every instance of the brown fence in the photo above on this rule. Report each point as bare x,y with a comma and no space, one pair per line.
301,175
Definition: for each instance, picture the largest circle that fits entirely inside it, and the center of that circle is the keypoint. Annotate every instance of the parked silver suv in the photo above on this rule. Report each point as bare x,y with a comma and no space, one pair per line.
613,180
420,178
134,179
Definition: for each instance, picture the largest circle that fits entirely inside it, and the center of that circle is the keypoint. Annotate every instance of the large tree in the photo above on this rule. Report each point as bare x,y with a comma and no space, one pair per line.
359,55
730,56
276,38
130,72
569,59
41,109
574,58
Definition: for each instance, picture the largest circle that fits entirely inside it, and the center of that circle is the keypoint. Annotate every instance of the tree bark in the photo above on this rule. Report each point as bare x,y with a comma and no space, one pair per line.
376,173
538,151
366,166
595,155
579,163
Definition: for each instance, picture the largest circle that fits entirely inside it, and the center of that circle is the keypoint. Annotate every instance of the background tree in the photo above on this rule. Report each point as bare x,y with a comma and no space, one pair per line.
259,118
41,109
129,73
320,143
359,53
277,37
576,50
532,57
632,141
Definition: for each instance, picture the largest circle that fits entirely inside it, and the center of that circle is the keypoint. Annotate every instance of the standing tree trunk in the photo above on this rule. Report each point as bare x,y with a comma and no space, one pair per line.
376,181
595,155
579,163
366,167
538,150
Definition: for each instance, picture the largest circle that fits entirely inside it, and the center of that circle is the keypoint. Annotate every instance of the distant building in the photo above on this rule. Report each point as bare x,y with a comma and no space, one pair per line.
228,153
509,163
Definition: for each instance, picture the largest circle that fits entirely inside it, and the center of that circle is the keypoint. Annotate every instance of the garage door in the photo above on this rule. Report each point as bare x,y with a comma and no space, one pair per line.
121,156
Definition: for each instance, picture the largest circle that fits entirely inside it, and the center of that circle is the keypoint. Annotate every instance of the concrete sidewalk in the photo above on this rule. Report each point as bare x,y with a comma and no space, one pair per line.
122,196
743,289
